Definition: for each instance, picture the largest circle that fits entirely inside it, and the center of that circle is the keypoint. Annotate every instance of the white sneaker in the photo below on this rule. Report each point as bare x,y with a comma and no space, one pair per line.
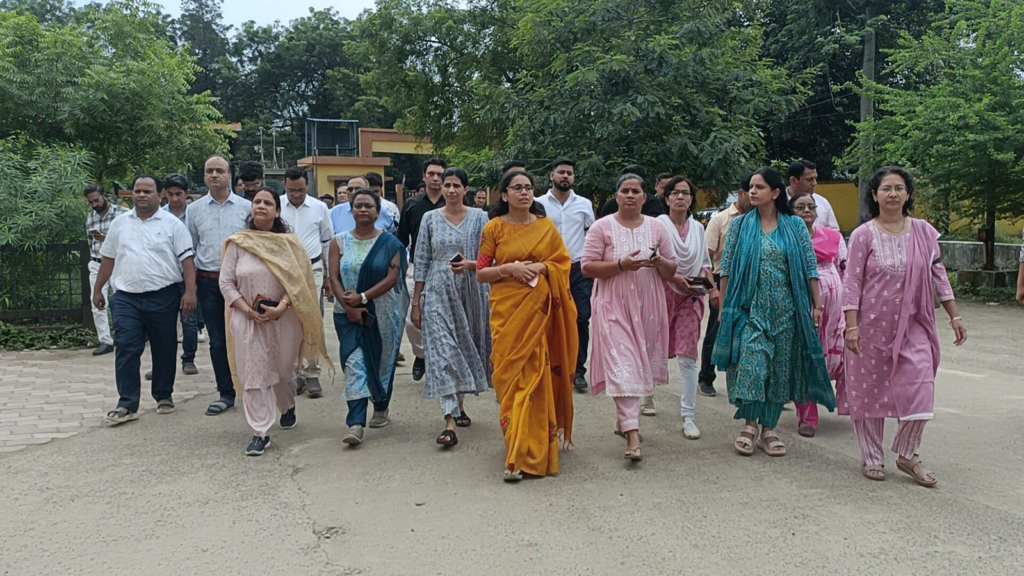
690,430
647,406
202,336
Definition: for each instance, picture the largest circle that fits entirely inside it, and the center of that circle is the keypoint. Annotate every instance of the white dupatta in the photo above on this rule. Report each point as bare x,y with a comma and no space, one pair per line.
692,253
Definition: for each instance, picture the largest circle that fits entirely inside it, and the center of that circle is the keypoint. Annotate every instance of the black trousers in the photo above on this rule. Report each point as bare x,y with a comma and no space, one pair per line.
135,316
581,288
707,369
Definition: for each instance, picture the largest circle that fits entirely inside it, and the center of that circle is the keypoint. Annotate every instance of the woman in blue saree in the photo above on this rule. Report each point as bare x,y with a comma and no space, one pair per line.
369,312
767,337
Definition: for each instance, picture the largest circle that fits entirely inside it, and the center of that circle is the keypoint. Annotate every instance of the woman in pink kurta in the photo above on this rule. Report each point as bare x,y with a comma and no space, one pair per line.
830,253
891,336
628,254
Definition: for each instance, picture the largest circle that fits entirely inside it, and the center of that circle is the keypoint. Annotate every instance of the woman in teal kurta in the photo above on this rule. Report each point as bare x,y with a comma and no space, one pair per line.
767,341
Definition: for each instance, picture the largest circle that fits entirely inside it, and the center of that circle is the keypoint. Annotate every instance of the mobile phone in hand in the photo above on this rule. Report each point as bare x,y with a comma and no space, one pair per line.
456,259
654,251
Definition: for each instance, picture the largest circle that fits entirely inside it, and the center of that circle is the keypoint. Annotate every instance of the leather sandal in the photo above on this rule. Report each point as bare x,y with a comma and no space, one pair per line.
873,472
744,445
915,470
770,444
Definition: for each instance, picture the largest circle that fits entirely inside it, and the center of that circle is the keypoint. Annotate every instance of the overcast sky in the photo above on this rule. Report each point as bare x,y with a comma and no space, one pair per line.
266,11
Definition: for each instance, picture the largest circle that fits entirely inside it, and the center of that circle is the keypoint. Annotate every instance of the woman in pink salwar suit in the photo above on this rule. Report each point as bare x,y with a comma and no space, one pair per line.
891,336
830,253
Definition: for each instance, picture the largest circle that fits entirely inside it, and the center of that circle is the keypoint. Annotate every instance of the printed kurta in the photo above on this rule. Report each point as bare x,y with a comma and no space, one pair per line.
888,281
265,353
455,309
830,253
685,312
630,316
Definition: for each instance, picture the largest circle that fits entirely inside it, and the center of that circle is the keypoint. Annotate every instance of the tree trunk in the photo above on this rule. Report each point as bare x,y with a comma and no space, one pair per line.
990,236
867,110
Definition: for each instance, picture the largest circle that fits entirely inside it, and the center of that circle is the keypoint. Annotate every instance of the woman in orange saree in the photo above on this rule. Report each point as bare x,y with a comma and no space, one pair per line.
533,328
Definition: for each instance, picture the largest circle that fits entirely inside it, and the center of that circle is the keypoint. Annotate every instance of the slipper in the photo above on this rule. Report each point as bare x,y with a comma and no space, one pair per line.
806,430
921,475
448,438
463,421
119,416
634,454
621,434
165,406
219,407
873,472
512,476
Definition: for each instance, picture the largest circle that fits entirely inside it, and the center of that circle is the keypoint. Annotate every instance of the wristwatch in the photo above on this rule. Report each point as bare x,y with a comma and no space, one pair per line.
363,296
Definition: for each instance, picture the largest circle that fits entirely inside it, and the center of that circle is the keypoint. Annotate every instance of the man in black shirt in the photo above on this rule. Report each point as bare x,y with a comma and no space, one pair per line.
408,232
653,206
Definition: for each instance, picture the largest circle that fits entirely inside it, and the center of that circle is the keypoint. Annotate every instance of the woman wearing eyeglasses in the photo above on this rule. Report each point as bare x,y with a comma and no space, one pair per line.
768,336
533,328
685,305
629,254
830,252
890,325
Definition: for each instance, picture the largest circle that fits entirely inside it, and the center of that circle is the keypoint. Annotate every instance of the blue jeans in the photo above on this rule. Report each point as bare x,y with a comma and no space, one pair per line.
212,302
189,337
357,409
580,287
136,316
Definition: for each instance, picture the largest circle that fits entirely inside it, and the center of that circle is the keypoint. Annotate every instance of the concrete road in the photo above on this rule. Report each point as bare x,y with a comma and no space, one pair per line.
175,494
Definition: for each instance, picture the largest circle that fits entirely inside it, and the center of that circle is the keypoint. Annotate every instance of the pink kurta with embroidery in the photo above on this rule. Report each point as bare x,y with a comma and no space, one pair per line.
830,252
630,320
889,282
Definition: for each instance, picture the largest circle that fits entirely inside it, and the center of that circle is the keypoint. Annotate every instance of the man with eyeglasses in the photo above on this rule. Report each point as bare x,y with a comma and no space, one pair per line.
408,232
714,235
250,175
573,215
803,178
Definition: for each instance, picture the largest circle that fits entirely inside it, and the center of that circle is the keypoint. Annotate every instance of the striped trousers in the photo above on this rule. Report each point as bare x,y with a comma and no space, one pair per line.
869,433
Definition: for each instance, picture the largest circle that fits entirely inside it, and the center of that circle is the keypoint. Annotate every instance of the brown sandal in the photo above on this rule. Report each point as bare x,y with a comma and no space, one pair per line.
873,472
915,470
634,454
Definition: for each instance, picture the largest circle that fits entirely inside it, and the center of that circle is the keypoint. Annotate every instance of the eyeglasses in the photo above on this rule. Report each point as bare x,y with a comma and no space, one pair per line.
805,207
362,206
520,188
680,193
891,189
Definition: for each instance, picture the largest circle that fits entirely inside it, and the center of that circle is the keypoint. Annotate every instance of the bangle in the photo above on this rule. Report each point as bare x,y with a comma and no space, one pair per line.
819,307
954,320
619,263
502,275
851,328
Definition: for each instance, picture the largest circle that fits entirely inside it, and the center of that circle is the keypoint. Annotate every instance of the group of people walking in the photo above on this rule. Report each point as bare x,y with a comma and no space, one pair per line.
503,299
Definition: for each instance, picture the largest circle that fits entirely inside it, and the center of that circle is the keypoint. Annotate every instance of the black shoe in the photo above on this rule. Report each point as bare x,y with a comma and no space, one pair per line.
579,383
288,419
103,349
419,368
257,446
149,375
707,389
300,385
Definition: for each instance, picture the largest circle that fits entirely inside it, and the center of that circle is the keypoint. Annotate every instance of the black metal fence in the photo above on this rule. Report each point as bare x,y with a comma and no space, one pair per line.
47,286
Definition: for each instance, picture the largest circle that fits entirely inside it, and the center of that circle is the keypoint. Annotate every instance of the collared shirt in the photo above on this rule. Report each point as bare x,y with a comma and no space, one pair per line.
101,223
715,233
392,209
211,223
342,220
311,222
412,215
653,207
572,219
826,215
147,253
167,207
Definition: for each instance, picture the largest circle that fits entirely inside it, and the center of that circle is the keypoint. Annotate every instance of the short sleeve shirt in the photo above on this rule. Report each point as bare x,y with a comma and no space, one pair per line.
147,253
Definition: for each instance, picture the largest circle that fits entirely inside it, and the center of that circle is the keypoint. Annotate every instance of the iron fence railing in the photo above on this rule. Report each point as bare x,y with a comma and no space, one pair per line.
45,286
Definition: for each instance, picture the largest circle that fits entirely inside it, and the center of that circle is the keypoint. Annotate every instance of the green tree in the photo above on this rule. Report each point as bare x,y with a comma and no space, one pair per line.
201,27
115,87
953,110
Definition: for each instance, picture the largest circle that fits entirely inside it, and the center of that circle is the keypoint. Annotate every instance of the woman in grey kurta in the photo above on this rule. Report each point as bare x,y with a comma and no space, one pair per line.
450,306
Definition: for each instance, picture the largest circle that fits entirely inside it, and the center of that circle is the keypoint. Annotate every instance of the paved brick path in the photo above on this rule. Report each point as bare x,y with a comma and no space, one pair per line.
59,393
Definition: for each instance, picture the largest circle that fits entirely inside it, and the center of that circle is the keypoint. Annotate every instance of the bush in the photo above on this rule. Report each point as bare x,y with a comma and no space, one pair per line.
23,338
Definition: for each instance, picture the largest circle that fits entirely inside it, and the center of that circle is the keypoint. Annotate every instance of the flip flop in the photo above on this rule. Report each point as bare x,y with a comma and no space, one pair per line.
634,454
218,407
119,416
448,438
165,406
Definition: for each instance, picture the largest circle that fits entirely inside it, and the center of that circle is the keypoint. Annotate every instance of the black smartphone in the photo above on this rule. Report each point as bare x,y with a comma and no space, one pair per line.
368,319
455,259
263,304
654,251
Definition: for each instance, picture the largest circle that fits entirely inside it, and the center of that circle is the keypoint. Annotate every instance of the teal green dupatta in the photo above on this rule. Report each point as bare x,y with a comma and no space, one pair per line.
811,372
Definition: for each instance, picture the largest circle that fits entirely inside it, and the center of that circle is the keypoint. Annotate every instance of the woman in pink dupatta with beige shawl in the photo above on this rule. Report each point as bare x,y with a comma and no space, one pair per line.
830,253
890,325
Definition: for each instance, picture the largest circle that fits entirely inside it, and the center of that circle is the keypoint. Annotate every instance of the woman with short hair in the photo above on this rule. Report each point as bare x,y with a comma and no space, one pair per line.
830,253
369,312
890,325
629,254
450,306
273,315
768,337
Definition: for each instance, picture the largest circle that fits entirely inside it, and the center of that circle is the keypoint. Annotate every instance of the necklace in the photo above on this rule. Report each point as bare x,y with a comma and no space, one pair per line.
529,218
887,230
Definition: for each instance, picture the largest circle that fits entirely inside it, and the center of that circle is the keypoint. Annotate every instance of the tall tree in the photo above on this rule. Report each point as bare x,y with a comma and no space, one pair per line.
201,27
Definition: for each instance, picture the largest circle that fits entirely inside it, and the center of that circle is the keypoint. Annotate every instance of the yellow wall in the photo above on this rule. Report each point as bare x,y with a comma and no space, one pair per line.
845,200
326,174
385,147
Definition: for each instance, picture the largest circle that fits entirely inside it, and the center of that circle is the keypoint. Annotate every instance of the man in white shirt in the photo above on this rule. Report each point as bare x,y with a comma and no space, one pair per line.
377,185
149,252
803,178
573,215
310,220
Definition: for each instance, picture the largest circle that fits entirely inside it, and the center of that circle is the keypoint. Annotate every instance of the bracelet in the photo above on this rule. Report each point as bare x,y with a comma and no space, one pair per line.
619,263
954,320
819,307
502,275
850,328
